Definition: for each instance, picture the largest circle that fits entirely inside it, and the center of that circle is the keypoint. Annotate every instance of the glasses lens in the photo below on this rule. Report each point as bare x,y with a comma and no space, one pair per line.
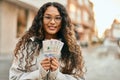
56,19
47,18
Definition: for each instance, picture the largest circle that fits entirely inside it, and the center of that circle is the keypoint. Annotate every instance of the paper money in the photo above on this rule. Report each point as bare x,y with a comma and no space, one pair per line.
52,47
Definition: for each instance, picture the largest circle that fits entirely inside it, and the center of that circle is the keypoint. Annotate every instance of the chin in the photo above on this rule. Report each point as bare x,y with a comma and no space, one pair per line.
52,32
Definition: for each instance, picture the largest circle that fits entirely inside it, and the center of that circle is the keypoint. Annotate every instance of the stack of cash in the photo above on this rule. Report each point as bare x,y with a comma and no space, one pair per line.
52,47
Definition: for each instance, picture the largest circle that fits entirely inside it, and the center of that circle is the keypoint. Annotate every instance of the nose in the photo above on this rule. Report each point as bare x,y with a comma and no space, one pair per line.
52,21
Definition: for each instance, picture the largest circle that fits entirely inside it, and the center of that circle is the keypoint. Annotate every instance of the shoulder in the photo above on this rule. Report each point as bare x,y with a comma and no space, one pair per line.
32,39
30,42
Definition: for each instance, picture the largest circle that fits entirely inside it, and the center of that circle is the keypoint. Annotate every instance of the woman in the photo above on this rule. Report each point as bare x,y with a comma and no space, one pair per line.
51,22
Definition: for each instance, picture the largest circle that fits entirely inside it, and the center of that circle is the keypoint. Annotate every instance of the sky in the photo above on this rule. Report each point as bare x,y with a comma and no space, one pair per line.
105,12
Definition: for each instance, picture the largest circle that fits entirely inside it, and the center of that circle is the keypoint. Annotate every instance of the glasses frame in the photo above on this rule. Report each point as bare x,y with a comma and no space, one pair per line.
48,18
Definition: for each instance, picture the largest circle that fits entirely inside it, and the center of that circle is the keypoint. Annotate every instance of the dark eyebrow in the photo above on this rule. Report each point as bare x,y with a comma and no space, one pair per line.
58,15
50,15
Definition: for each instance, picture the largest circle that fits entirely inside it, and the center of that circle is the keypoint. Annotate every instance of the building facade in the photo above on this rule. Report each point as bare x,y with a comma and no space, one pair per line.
82,15
15,18
114,31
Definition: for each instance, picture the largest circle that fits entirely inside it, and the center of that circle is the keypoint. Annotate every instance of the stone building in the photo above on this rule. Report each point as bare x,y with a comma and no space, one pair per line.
82,15
15,18
112,35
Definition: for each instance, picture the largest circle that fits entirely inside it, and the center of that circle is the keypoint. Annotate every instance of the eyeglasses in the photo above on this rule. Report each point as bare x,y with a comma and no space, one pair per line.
57,19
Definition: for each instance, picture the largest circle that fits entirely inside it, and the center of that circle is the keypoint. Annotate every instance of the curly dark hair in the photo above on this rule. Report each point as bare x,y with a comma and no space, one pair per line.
71,55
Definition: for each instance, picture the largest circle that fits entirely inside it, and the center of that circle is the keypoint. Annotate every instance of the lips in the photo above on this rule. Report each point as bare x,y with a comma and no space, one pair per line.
52,27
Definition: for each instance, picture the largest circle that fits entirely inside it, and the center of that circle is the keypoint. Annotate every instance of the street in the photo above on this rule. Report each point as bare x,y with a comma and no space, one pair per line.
102,63
99,65
5,63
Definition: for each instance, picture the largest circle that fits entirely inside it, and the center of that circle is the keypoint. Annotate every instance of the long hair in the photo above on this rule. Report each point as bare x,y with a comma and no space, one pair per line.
71,55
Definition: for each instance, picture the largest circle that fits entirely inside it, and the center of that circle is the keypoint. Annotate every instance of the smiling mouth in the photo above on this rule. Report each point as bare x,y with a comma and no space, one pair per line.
52,27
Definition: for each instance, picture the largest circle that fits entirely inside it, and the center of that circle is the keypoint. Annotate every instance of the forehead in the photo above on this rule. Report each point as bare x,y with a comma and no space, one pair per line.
51,10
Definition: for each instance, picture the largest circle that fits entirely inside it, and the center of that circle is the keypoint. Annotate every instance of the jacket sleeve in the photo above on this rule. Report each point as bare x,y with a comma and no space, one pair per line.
57,75
16,74
17,71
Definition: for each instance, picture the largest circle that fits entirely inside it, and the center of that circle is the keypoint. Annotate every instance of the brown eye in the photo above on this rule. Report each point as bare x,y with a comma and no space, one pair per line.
58,19
47,17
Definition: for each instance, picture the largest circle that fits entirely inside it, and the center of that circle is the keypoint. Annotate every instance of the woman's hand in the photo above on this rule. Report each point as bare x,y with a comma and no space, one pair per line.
46,64
50,64
54,64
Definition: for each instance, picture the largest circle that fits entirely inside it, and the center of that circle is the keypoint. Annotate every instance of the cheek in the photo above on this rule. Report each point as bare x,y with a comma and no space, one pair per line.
44,22
59,27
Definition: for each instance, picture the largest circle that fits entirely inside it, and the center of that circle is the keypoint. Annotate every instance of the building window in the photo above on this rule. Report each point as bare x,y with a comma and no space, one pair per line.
21,22
86,2
80,2
79,15
73,11
86,16
116,30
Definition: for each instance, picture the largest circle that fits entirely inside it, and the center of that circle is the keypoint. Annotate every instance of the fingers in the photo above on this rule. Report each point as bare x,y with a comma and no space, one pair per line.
54,64
50,64
46,64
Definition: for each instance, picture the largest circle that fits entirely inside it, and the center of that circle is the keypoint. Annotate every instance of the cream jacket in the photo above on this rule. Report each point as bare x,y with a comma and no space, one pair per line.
37,72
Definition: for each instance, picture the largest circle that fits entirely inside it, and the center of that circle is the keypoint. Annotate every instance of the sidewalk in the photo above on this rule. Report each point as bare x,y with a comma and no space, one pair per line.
5,63
101,68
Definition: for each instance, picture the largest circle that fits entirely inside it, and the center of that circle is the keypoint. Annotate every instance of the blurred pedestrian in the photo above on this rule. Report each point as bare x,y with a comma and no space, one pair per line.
51,22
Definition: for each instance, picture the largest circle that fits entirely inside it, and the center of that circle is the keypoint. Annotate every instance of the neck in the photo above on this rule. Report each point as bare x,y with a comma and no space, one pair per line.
51,37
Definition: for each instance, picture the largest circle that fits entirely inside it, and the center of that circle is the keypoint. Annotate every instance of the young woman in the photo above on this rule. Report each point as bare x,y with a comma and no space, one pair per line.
51,22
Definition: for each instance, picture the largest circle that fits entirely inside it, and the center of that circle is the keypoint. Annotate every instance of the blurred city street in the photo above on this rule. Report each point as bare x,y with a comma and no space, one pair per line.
100,66
97,29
